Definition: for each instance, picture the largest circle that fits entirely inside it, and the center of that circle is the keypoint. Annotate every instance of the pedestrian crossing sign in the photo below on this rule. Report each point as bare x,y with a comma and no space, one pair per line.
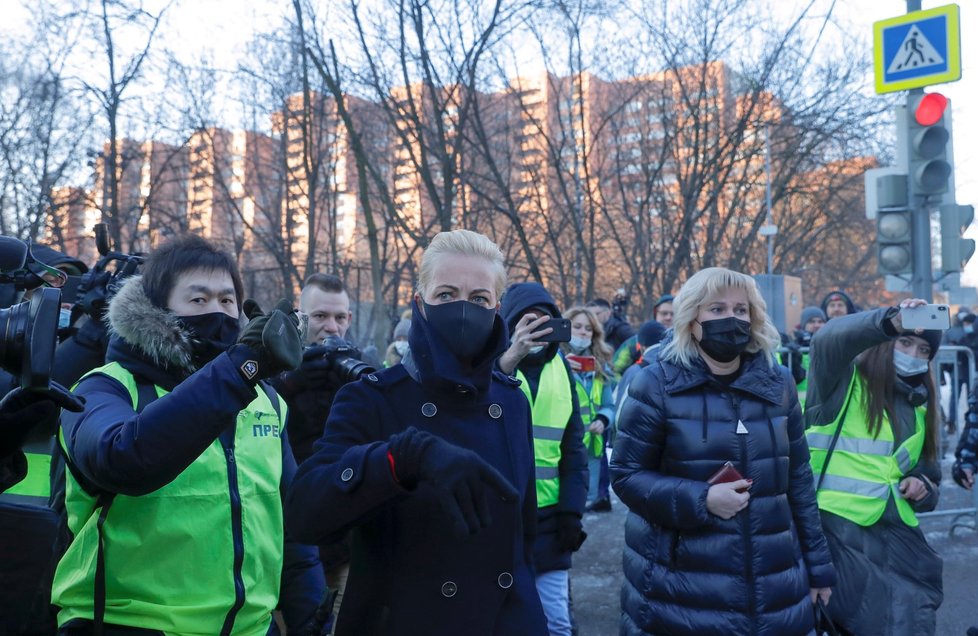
917,49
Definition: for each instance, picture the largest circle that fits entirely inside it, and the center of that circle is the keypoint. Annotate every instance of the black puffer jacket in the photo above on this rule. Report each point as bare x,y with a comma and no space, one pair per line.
686,570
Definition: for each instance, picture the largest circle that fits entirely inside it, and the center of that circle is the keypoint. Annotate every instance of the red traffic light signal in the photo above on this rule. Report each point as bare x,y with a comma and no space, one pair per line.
930,109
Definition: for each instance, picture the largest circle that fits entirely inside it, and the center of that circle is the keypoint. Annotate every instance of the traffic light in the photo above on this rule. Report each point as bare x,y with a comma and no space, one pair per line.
955,251
928,132
894,226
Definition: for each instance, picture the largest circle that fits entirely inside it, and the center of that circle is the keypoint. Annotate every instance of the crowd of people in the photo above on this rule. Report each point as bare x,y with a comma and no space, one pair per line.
220,469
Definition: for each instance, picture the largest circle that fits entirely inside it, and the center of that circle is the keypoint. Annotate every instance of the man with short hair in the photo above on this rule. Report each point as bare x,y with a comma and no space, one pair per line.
178,465
325,301
310,390
616,329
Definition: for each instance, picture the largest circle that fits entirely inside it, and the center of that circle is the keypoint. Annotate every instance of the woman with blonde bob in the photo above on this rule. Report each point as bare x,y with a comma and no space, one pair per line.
723,533
430,464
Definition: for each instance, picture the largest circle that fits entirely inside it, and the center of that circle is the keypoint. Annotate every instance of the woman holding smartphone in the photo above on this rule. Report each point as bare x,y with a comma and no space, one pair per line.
589,358
874,424
744,554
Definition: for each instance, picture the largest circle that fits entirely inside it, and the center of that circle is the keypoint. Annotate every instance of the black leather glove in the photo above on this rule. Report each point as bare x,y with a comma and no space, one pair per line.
570,532
314,372
462,478
22,410
960,477
273,338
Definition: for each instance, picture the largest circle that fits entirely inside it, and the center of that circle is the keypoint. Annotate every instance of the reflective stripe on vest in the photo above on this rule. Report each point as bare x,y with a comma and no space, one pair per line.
551,410
864,472
169,554
589,410
35,488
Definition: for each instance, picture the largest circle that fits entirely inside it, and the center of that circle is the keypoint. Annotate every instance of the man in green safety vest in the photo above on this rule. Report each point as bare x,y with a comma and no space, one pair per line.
558,432
798,358
177,467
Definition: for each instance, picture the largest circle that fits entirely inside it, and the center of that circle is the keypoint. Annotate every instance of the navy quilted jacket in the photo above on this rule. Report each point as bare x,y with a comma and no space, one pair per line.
686,570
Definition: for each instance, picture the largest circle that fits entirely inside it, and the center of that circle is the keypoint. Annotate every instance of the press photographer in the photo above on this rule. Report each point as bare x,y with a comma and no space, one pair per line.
84,342
328,362
28,416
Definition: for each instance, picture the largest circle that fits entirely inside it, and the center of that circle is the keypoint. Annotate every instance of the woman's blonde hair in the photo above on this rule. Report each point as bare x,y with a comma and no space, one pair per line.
599,348
703,286
466,243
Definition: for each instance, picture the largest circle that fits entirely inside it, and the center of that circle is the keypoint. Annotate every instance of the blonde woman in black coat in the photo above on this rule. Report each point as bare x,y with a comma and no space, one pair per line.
742,557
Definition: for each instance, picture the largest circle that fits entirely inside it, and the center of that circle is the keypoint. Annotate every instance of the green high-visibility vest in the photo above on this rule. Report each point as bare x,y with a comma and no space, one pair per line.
170,554
801,387
551,410
35,488
589,410
864,472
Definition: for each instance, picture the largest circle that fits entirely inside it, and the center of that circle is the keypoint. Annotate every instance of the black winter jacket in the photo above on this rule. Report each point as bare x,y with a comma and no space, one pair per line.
686,570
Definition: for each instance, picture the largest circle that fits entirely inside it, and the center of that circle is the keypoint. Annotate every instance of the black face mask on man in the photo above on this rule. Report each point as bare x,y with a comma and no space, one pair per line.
725,338
462,326
211,334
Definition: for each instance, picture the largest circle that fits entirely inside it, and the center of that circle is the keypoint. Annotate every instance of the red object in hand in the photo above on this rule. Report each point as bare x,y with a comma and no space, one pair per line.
726,474
587,362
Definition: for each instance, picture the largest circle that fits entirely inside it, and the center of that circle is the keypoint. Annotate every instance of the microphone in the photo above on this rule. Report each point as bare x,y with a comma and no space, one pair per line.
13,254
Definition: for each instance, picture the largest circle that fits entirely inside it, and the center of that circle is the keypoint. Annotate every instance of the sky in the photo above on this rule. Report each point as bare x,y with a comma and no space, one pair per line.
220,29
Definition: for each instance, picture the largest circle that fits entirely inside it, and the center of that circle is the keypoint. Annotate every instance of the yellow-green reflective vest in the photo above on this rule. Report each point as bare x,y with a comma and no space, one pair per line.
169,554
864,472
590,404
551,410
35,488
801,387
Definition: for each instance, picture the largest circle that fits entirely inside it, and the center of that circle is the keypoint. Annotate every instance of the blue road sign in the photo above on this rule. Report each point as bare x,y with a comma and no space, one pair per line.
917,49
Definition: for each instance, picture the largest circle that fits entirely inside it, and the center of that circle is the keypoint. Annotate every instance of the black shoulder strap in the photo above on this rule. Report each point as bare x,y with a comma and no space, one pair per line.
835,439
273,398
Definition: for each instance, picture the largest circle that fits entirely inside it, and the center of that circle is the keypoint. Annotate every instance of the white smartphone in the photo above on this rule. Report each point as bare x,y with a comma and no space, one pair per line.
926,317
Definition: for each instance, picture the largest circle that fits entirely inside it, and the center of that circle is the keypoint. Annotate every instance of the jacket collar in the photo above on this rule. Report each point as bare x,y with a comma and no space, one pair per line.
756,377
146,339
432,366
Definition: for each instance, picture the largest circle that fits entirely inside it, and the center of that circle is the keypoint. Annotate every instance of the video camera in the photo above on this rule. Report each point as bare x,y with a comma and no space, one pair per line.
619,304
29,330
99,284
345,359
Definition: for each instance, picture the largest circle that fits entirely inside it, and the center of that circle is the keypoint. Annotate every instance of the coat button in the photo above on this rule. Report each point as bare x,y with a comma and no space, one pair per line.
461,389
505,580
428,409
371,377
347,474
448,589
495,411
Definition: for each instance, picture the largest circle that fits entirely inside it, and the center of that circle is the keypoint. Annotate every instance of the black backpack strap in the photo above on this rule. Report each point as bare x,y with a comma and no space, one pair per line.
273,398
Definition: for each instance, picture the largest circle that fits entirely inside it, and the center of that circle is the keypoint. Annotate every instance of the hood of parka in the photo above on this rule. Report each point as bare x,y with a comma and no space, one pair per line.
154,333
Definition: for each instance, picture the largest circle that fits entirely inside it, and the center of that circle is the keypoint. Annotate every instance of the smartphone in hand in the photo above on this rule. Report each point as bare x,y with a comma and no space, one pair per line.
561,330
926,317
587,362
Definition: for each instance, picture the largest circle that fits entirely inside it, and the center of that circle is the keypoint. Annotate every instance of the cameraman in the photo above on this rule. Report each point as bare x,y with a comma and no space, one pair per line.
310,389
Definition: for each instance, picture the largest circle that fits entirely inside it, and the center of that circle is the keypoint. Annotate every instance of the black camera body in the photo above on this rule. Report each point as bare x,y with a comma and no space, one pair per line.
100,283
28,330
344,359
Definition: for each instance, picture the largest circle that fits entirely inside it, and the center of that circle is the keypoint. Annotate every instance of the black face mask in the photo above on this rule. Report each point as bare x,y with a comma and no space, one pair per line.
725,338
211,334
462,326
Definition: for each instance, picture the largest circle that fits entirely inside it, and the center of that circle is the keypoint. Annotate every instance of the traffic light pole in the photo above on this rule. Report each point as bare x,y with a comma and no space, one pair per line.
922,283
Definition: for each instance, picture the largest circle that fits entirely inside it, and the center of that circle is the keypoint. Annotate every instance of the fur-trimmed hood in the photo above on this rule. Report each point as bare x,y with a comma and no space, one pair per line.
153,332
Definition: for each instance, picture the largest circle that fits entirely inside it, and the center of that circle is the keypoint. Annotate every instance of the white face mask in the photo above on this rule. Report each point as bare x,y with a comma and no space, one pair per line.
401,347
64,318
579,344
907,365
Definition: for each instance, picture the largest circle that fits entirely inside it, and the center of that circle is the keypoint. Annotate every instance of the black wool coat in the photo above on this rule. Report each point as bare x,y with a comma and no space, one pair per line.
688,571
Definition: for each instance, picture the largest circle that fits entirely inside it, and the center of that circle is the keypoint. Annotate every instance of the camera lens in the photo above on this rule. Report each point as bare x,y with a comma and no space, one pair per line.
28,336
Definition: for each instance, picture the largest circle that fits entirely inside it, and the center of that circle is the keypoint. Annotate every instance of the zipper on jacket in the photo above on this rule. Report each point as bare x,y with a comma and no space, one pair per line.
237,535
745,525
